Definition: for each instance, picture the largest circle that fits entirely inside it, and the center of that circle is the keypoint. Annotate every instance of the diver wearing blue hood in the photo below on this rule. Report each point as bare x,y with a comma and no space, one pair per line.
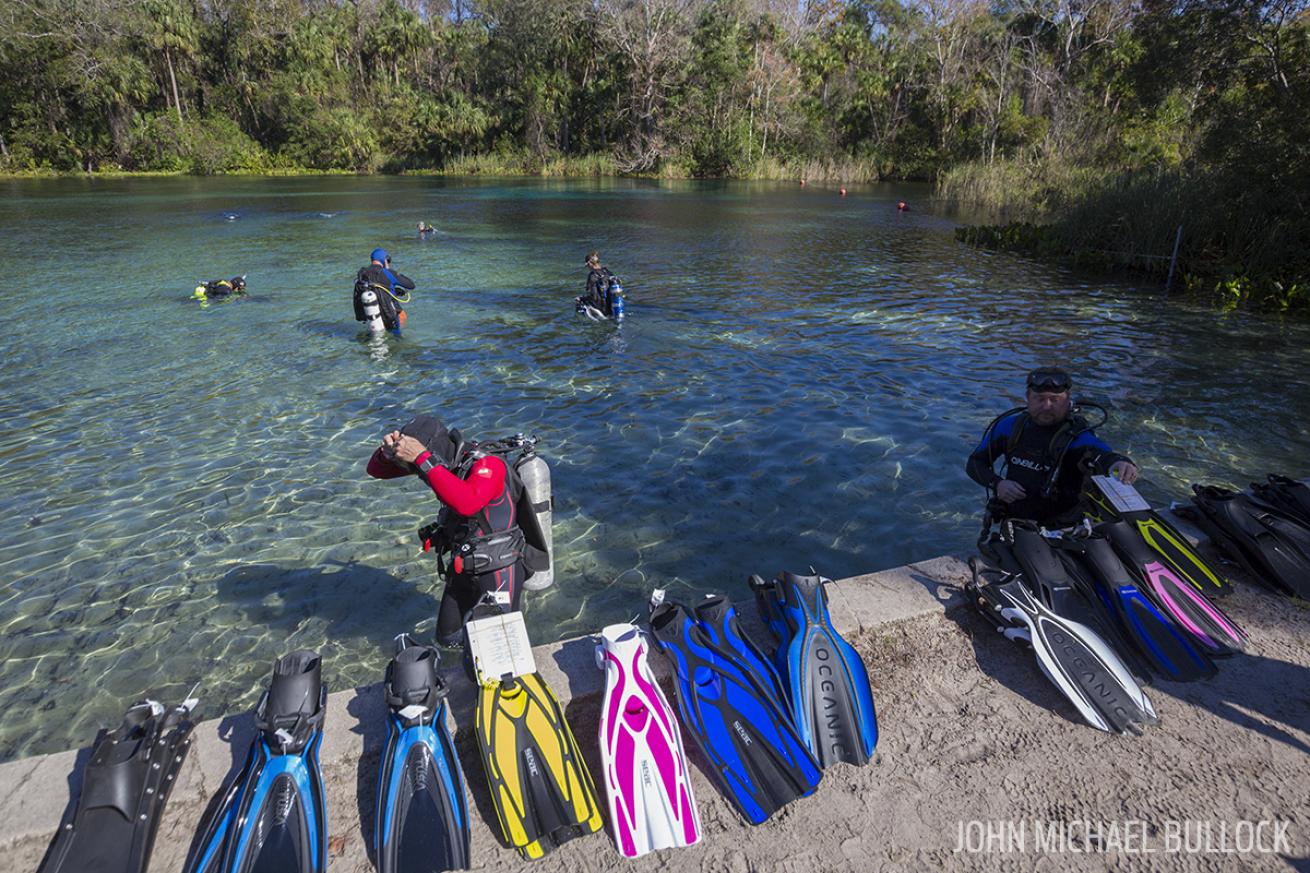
375,289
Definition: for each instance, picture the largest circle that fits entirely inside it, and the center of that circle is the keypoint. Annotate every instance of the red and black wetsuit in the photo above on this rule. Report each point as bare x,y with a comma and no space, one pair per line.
479,507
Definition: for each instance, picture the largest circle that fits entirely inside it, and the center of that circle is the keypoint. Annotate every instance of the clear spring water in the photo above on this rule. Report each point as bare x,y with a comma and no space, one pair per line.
798,382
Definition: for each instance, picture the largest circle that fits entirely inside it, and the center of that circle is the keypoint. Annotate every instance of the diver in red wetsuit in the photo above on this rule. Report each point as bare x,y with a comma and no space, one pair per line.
486,537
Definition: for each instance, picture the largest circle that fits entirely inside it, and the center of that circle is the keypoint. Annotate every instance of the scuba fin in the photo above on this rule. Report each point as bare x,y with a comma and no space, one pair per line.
124,788
1050,567
826,682
1175,550
733,714
646,779
1165,647
272,816
1271,543
539,782
422,816
1079,663
1190,609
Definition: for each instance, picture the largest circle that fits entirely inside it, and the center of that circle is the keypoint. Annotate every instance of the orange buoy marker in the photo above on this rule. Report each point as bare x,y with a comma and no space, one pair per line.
843,192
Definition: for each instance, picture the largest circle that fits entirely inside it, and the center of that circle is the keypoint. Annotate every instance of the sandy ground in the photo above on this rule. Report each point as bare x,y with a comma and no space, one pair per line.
970,732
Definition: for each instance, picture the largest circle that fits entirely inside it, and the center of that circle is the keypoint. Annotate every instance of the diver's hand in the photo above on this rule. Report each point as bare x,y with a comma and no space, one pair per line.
1009,491
1125,471
407,449
388,447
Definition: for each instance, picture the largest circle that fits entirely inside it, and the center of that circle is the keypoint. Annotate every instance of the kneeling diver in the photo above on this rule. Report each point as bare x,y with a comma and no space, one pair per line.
1046,448
376,302
487,537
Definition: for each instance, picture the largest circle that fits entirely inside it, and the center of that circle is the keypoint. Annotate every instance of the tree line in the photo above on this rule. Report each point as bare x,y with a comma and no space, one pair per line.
1097,110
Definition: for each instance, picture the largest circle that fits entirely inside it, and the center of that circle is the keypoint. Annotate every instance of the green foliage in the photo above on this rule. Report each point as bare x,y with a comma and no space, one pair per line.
1109,123
336,138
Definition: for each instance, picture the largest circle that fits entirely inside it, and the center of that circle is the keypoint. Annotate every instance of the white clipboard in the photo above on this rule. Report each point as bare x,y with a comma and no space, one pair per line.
500,647
1123,497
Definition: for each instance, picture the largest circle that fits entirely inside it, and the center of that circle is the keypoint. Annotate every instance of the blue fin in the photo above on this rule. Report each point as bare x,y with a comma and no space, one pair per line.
272,816
422,815
730,712
828,684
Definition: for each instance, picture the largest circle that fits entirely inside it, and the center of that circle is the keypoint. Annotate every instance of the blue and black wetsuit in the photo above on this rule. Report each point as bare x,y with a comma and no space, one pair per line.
1048,461
384,282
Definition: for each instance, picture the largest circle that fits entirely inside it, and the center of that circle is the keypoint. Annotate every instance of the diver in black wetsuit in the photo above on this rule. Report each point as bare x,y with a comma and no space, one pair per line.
217,289
598,286
1047,450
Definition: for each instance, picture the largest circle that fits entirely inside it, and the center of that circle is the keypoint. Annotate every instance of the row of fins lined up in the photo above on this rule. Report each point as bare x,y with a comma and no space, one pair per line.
1265,531
765,723
1125,599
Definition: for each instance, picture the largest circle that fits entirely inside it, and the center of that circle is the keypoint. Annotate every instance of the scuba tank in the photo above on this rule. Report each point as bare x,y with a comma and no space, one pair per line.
535,476
616,299
372,311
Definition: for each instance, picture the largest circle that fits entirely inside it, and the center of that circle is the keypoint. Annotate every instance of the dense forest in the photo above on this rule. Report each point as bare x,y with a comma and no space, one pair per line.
1113,117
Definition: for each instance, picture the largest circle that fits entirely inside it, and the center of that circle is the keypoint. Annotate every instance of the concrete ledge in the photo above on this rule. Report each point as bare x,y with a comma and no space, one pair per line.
35,791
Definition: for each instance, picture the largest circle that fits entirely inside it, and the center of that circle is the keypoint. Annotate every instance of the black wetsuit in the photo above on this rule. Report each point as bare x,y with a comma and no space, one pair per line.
225,287
598,286
1052,495
383,282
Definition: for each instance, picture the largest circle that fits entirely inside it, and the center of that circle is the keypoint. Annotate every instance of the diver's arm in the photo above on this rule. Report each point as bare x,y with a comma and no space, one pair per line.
403,281
981,465
485,483
1090,452
980,469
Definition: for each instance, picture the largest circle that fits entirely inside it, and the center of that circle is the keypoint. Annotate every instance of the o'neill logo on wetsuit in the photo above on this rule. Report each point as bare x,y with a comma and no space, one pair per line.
1029,465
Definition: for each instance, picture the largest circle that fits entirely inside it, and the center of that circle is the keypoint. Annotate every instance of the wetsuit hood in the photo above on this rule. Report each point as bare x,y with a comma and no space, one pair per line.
434,435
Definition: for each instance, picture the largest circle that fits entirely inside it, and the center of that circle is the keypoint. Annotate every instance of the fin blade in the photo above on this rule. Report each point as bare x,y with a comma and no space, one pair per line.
1082,666
832,701
647,779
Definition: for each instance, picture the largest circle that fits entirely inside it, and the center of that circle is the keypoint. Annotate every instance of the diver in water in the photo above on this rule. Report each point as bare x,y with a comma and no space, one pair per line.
486,537
424,228
379,282
217,289
604,294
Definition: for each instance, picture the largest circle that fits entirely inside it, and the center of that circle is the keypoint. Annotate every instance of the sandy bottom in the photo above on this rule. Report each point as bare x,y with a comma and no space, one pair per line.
976,742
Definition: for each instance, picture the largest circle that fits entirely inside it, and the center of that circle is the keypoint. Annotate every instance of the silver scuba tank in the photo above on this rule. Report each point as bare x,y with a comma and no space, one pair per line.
535,475
372,311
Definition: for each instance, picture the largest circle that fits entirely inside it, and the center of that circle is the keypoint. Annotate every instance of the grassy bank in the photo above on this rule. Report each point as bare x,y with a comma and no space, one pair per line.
1242,243
837,170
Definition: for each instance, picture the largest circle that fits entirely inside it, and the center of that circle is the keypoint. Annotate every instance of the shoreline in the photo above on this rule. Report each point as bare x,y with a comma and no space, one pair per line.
462,172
